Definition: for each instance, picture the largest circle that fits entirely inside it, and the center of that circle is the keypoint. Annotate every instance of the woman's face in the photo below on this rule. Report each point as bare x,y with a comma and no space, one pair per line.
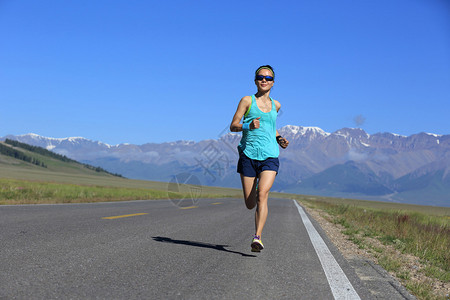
264,85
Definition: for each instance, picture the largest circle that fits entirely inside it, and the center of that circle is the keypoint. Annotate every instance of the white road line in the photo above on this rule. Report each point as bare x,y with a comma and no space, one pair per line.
338,281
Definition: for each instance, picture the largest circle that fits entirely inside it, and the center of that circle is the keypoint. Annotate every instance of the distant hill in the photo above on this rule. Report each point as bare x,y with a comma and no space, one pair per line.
345,178
16,155
347,163
425,187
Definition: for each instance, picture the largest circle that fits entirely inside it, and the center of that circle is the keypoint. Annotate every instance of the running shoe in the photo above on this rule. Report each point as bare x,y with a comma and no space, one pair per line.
257,245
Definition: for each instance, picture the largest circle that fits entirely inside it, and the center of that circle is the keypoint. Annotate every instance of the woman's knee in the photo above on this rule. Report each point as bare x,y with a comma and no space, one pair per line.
263,194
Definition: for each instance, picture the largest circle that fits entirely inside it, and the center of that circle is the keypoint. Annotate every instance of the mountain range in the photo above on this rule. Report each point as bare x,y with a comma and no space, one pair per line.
346,163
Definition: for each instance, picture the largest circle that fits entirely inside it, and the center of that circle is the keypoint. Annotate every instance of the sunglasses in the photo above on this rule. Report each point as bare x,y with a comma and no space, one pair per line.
261,77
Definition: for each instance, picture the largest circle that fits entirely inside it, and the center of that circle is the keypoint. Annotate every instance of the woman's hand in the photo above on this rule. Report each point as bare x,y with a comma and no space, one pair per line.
255,123
282,142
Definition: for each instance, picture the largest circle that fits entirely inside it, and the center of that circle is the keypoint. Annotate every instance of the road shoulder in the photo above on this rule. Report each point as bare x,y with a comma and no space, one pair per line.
373,277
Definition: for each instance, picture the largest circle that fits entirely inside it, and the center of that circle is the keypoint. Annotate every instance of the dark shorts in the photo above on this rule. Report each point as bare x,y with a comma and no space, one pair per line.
252,168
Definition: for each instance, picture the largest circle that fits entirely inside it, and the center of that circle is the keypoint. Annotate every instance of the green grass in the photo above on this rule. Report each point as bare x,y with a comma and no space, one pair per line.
424,290
82,184
389,264
68,182
28,192
35,192
424,236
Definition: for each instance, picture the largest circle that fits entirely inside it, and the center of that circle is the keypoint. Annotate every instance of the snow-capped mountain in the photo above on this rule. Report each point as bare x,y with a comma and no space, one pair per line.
316,162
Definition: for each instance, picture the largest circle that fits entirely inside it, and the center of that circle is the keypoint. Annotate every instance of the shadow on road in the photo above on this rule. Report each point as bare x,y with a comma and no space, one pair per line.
199,244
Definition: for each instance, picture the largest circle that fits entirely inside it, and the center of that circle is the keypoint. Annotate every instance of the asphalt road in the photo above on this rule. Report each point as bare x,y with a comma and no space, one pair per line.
156,250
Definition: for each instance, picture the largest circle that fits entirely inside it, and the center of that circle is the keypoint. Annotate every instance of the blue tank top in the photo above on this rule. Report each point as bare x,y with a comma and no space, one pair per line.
261,143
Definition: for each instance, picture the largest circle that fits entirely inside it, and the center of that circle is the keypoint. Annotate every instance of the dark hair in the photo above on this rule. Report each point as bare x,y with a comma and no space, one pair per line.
265,67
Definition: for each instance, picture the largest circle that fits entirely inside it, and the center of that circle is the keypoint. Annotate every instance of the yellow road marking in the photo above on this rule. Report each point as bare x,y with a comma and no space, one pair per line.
188,207
124,216
215,203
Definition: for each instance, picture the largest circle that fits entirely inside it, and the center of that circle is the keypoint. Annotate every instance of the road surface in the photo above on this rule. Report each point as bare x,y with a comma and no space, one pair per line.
157,250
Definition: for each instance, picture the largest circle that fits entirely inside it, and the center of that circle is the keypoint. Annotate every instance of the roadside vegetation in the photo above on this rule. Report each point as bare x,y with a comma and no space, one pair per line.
35,192
412,245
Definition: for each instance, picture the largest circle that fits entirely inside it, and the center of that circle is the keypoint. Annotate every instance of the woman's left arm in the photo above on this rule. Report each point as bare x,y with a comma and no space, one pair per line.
280,140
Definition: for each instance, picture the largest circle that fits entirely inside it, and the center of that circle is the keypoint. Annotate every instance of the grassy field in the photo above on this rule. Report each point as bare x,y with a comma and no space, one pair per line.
30,185
35,192
68,181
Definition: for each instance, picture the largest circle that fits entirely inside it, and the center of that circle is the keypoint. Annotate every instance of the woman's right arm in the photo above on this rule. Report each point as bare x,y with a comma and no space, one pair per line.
242,108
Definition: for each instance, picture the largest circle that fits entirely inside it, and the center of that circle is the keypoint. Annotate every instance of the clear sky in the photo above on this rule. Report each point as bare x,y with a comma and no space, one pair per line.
155,71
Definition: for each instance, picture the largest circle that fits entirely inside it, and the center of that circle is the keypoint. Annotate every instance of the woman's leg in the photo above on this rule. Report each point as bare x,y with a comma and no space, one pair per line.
249,188
266,179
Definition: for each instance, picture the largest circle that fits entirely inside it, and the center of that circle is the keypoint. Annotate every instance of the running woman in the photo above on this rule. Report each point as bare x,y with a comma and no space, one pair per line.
258,150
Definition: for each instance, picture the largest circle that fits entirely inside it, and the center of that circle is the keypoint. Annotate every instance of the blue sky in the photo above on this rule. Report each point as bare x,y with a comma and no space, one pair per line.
157,71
